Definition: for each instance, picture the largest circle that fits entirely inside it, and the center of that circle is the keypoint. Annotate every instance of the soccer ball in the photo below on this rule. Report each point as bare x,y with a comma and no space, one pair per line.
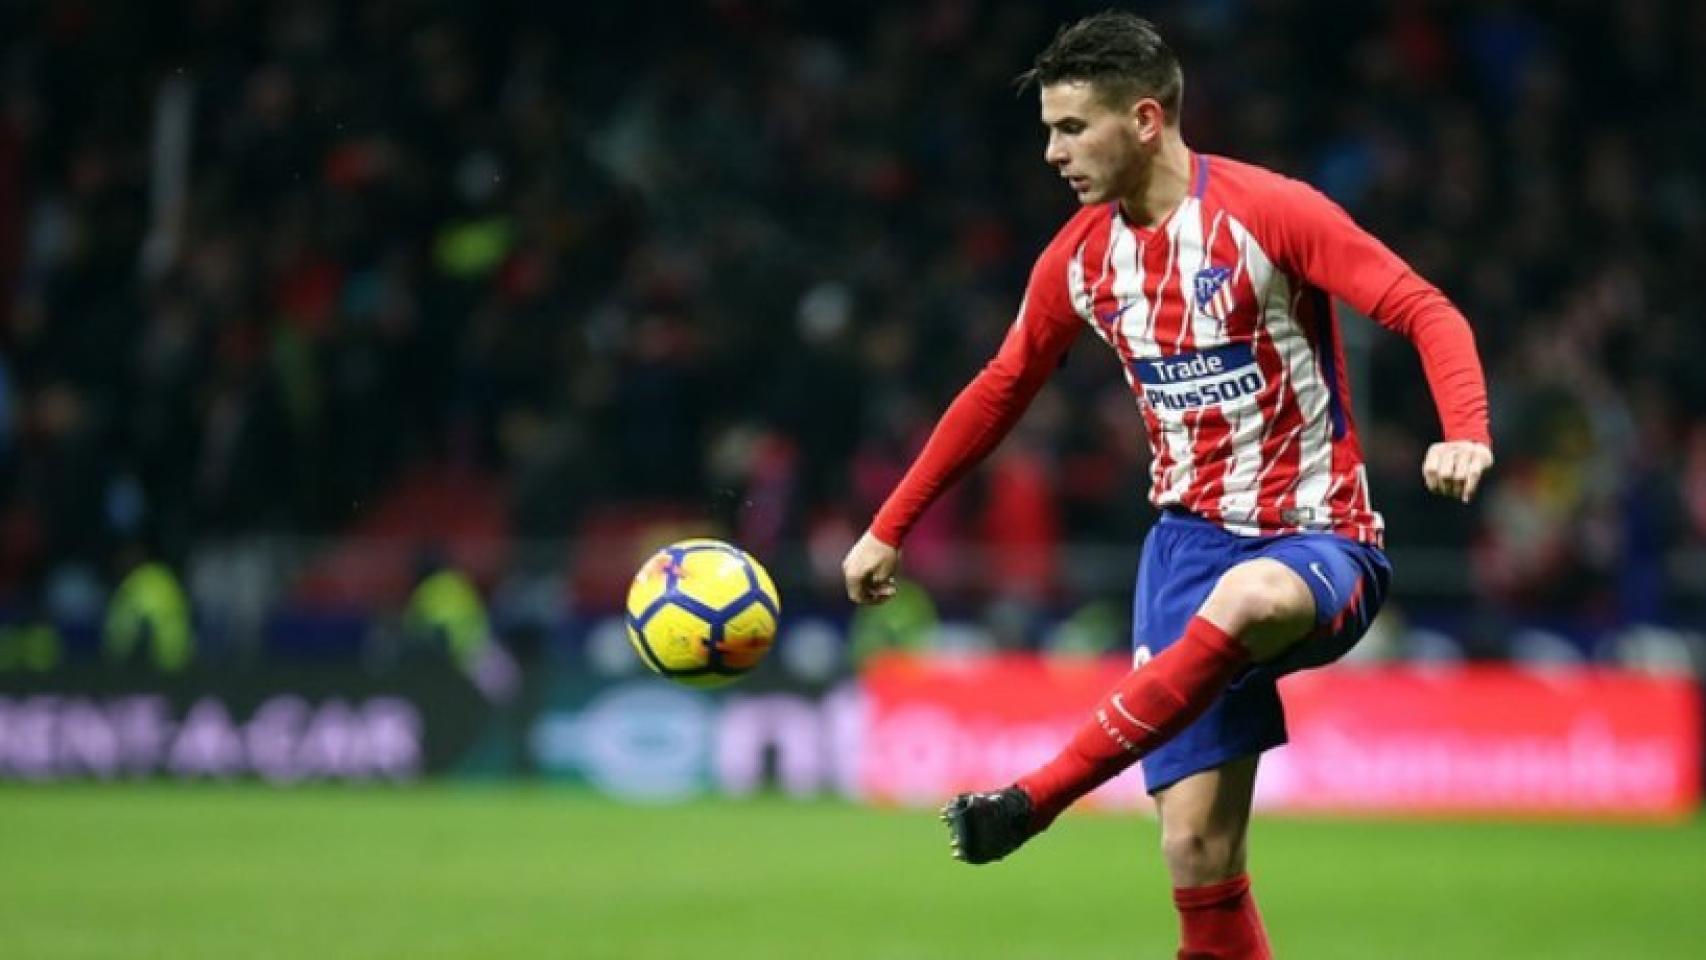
702,612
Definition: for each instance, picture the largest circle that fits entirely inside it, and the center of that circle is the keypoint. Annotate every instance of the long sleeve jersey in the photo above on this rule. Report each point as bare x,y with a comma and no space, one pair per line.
1222,318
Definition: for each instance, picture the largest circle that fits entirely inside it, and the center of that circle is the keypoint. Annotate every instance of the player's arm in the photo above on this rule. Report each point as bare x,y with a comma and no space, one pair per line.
1321,242
971,427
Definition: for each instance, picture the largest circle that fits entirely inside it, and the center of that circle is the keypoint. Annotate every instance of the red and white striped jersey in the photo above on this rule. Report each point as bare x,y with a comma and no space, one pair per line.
1222,318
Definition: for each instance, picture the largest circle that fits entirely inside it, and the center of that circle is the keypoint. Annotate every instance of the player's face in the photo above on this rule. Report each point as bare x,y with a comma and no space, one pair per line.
1102,151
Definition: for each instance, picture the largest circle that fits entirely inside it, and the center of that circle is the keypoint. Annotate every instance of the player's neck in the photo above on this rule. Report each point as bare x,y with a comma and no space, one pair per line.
1165,187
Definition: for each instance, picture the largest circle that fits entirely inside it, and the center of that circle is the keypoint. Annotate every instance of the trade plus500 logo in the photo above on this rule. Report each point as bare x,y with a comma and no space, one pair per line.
1187,381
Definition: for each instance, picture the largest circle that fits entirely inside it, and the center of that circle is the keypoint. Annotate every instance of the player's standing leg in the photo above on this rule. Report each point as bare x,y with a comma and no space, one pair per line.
1205,820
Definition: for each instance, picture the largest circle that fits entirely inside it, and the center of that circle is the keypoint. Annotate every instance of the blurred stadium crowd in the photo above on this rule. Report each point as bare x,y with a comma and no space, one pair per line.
730,259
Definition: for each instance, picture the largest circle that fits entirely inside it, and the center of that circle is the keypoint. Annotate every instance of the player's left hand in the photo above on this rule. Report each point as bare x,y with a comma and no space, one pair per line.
1454,468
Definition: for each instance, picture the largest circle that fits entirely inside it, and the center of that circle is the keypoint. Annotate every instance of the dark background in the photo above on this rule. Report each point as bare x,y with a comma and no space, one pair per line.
521,289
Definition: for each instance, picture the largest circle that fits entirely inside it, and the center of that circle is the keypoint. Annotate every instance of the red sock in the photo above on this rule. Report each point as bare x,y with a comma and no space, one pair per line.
1145,709
1220,922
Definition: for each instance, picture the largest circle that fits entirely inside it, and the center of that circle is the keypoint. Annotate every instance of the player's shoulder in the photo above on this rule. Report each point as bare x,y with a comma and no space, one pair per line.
1253,190
1088,224
1051,275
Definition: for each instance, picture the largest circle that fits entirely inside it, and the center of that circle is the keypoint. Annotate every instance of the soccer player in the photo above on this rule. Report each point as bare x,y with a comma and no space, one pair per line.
1212,281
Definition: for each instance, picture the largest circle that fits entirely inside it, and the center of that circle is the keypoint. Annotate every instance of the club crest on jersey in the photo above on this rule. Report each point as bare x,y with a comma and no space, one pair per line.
1213,294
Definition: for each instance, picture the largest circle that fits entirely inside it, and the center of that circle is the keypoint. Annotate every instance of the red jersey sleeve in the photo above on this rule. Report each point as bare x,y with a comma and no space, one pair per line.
992,402
1312,237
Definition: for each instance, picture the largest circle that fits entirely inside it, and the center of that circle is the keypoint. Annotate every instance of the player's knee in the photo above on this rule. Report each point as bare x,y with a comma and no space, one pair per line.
1260,595
1196,857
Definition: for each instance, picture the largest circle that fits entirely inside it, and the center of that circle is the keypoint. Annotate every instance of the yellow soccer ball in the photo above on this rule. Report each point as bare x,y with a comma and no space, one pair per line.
702,612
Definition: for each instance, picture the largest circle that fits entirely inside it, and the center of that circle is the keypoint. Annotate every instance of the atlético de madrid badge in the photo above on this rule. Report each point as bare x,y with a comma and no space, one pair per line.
1213,293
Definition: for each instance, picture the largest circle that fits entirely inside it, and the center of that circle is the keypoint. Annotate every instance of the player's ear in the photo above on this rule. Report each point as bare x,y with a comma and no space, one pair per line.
1148,117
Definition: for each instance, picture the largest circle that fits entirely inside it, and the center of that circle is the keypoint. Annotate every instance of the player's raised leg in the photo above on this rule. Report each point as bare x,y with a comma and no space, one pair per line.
1205,820
1255,612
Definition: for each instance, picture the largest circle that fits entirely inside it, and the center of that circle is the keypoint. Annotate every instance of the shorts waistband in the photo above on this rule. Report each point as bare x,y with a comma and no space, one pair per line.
1175,514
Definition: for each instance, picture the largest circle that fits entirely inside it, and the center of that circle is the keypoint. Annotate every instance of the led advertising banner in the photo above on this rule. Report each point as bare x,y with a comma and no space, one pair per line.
910,731
1489,739
280,725
650,741
1484,740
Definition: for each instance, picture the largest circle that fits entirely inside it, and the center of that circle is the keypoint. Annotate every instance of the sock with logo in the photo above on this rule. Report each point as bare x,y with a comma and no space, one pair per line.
1144,710
1220,922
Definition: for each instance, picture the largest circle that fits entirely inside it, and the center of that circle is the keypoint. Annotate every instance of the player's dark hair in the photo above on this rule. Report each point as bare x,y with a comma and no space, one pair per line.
1120,54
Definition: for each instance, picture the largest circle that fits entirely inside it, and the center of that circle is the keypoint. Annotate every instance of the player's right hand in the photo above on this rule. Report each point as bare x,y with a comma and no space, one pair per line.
869,570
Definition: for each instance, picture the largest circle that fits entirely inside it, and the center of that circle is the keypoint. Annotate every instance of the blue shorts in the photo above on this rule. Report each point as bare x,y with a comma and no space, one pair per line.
1183,557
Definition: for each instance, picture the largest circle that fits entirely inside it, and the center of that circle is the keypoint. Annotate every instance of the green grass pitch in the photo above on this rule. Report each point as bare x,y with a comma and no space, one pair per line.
325,873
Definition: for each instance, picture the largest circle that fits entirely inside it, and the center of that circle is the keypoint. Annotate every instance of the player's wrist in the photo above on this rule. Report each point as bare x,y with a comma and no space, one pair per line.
887,537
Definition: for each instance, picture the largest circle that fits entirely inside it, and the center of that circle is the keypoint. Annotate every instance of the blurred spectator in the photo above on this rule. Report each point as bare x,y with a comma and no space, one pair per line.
148,621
